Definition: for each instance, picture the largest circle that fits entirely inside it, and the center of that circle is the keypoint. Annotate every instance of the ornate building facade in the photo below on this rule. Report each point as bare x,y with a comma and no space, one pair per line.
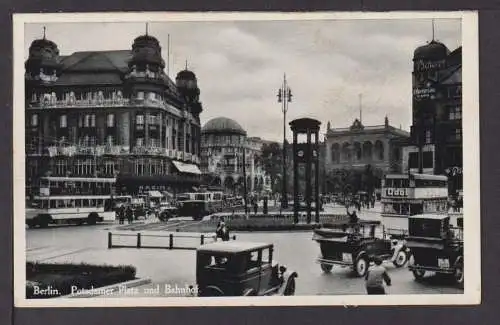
111,113
436,135
357,146
223,142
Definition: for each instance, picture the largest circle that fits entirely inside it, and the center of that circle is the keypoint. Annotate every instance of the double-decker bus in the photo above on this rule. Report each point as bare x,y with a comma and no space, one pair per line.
405,195
71,200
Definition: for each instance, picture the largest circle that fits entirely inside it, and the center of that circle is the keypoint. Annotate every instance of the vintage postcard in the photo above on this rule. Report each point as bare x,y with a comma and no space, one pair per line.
208,159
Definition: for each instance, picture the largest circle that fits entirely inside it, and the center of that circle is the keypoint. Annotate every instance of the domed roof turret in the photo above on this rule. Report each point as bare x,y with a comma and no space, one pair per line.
186,75
432,51
146,50
186,79
223,125
43,54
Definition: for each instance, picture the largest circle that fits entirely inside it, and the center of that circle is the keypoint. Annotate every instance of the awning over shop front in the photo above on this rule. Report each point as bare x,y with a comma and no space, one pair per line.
187,168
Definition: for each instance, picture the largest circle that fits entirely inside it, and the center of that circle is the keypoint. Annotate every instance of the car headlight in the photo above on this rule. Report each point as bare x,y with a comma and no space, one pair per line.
443,262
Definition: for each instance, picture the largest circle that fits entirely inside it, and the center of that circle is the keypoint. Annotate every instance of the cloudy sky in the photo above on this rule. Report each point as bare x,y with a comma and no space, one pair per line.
240,65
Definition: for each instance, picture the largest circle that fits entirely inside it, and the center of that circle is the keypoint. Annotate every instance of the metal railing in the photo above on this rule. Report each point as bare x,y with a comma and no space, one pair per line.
170,244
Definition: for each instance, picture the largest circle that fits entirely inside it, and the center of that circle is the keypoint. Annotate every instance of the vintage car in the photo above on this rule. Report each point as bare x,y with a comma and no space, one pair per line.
197,209
356,244
166,211
234,268
436,246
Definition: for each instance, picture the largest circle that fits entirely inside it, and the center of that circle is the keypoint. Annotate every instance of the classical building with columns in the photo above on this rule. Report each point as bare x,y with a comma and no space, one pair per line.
357,146
223,142
111,114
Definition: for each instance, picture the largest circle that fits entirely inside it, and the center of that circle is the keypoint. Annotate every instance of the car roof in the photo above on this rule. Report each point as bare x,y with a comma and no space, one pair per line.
232,247
430,216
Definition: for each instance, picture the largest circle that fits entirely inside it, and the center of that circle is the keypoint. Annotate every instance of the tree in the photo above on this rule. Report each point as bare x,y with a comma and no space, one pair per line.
272,157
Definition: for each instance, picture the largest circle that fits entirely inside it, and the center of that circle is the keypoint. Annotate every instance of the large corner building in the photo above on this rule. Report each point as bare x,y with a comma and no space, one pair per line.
436,135
111,114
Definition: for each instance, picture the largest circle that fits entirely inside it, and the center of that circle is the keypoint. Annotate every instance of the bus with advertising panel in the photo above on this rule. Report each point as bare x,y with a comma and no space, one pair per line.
405,195
71,200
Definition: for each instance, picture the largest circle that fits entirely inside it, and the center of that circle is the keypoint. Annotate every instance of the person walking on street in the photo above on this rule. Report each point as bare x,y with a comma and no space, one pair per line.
375,277
121,214
129,214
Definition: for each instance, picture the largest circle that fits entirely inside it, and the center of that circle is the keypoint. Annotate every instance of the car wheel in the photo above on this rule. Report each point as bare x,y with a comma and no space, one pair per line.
44,221
290,288
401,259
418,274
459,275
327,268
92,218
212,291
249,292
361,266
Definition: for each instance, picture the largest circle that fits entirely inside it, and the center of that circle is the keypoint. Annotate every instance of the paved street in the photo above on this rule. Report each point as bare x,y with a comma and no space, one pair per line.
295,250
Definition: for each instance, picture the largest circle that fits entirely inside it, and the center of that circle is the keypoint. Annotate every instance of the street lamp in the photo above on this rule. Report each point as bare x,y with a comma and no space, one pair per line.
284,97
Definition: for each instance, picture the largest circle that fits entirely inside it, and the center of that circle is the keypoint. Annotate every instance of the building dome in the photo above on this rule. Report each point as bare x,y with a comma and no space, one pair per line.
147,50
43,55
223,125
186,79
186,75
432,51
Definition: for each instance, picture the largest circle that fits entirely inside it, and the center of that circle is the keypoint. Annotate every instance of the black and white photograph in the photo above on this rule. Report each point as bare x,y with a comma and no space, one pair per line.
207,159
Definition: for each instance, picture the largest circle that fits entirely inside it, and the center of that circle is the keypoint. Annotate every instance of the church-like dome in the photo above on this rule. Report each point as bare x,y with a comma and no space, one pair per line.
223,125
432,51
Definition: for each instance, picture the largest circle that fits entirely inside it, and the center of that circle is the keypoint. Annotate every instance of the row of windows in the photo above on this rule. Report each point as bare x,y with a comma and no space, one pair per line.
73,203
81,167
357,151
82,95
223,139
413,209
94,95
89,120
427,160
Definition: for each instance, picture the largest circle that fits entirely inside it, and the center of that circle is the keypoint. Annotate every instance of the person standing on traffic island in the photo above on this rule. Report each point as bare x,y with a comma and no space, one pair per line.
375,277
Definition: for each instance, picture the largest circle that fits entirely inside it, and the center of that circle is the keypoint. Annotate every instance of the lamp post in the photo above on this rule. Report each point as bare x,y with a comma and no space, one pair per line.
284,97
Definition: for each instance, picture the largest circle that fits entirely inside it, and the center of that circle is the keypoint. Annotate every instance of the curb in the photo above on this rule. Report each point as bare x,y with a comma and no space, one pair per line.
100,291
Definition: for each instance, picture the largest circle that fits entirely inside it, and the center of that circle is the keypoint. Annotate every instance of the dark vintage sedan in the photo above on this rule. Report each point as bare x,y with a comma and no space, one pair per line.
235,268
355,244
436,247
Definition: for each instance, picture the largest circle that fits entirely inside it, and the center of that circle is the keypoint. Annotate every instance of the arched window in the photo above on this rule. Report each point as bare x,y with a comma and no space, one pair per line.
336,153
379,150
367,150
346,151
357,150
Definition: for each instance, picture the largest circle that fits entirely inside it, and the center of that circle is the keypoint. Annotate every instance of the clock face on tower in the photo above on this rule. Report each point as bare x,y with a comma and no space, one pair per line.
300,153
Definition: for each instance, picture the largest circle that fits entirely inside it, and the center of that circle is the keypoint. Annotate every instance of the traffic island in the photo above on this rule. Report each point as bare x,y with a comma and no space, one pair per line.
46,280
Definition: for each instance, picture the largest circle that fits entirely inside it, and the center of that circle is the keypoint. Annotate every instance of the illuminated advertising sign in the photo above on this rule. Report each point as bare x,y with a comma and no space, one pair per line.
396,192
426,92
423,65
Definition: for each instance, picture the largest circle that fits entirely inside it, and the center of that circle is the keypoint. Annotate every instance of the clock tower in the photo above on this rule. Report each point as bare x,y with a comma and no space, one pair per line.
306,153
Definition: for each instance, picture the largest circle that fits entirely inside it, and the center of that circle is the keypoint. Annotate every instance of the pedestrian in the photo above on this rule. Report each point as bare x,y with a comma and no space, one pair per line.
375,278
129,213
255,206
121,214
